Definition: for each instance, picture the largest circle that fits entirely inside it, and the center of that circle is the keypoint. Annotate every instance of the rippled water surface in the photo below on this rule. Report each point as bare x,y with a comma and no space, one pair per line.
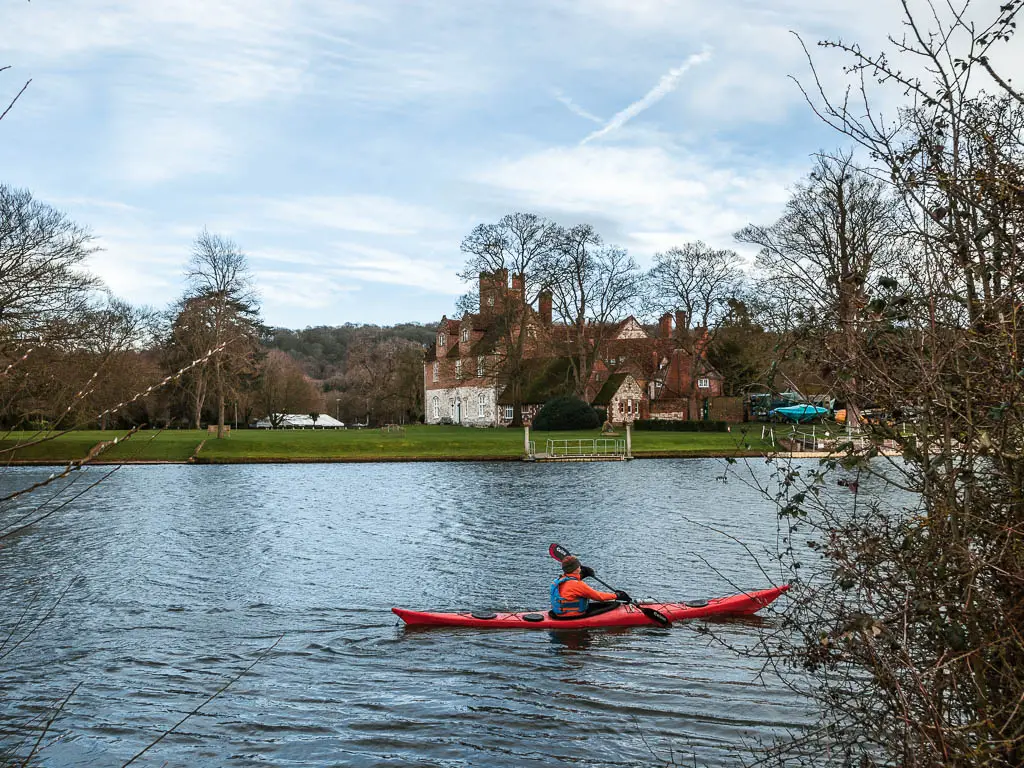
178,577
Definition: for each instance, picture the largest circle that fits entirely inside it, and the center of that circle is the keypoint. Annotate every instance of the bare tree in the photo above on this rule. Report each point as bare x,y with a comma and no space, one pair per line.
44,287
283,388
518,244
840,231
696,278
591,286
221,291
911,627
701,280
384,377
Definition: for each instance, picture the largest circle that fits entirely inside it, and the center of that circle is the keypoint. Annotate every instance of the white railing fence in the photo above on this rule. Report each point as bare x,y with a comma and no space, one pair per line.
587,447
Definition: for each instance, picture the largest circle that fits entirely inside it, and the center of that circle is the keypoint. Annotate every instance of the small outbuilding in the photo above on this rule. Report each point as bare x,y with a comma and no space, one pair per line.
622,397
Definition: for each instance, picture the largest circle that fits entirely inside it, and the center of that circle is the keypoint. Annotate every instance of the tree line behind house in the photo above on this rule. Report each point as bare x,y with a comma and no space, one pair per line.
79,354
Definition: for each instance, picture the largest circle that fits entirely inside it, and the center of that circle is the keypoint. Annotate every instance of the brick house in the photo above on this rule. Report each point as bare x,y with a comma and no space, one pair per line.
639,373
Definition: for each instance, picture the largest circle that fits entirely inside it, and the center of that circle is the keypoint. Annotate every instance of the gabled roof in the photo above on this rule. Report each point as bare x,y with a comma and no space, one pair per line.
453,350
611,386
621,326
448,326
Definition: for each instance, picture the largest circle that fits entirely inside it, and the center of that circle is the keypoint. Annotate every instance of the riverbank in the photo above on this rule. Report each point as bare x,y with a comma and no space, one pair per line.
414,443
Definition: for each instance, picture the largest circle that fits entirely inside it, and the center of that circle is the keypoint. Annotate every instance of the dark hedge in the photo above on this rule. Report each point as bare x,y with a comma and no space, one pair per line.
566,412
661,425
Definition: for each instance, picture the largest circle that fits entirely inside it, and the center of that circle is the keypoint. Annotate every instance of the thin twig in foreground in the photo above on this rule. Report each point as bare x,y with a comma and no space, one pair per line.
195,711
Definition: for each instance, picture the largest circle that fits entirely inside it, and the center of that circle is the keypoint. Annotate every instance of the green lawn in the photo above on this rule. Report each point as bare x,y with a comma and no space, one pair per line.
416,442
149,445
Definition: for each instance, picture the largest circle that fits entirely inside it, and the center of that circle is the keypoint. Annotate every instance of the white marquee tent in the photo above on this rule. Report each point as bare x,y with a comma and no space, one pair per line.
301,421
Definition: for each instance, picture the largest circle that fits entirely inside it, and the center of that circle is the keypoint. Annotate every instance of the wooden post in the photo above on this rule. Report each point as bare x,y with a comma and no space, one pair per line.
526,441
629,440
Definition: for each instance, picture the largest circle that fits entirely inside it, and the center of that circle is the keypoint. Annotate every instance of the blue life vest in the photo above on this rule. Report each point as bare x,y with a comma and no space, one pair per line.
560,606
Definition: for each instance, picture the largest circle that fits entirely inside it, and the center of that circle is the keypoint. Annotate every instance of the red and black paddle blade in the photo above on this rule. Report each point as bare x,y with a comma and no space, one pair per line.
654,615
558,552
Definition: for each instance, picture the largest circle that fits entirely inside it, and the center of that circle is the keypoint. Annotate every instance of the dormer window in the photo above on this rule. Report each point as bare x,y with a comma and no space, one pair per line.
465,334
440,339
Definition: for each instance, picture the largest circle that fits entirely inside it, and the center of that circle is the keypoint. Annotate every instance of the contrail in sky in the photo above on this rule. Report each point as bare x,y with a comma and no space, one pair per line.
576,109
668,83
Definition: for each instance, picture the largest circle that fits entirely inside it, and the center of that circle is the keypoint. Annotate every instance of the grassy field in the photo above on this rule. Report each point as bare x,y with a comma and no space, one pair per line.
416,442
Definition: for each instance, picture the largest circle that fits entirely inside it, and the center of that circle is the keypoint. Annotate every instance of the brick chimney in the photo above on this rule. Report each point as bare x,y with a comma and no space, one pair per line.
544,307
665,325
518,285
681,322
700,346
493,288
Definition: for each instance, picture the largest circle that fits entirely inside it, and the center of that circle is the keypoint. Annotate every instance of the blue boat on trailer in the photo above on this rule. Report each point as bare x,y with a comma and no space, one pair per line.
799,414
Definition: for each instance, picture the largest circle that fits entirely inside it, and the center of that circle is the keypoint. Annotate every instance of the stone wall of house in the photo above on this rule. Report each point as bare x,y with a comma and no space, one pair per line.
625,404
471,406
671,409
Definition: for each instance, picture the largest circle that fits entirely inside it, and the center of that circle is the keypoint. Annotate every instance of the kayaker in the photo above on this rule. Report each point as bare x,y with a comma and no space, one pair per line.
570,596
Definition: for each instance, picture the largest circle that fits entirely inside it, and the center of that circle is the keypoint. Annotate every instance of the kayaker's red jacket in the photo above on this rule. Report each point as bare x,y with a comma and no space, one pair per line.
576,588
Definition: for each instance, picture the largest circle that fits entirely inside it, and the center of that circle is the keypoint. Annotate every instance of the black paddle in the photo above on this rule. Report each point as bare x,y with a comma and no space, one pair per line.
559,552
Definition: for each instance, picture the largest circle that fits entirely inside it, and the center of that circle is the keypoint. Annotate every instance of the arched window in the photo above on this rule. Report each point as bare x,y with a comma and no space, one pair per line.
437,408
465,334
458,369
480,365
440,339
481,405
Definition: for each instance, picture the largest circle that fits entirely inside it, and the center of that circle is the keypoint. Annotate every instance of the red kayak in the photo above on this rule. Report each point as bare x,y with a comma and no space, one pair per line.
623,615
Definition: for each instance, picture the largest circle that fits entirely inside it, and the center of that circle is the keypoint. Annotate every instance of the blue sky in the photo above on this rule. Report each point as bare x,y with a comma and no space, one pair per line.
349,146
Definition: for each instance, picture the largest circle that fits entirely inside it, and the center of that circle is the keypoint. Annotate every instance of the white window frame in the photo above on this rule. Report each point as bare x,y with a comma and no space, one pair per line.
458,369
510,412
465,334
703,383
490,301
480,365
440,339
437,367
481,405
437,408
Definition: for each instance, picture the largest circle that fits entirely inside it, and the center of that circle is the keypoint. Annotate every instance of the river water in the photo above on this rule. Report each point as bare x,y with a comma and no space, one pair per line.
178,577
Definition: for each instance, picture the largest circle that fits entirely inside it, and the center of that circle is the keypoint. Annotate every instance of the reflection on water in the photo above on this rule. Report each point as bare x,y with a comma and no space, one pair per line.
187,574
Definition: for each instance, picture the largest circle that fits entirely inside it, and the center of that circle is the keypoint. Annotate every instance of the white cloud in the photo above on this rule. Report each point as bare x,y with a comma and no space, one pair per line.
156,148
353,213
381,265
316,289
652,195
668,83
